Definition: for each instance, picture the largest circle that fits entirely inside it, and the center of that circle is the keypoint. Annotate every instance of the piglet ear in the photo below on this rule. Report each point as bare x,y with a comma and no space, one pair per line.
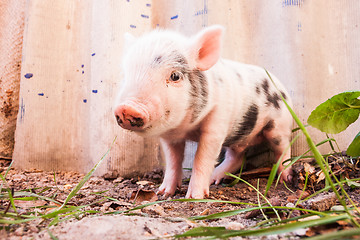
207,47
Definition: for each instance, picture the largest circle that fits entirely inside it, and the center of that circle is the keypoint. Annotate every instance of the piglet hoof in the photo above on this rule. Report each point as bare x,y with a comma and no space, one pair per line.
287,176
216,181
217,178
166,190
197,192
196,195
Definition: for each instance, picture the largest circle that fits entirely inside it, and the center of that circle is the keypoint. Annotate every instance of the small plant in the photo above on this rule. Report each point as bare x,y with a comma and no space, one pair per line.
336,114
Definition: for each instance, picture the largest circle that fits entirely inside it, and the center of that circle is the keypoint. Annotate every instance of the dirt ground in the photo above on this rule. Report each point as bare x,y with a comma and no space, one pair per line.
107,195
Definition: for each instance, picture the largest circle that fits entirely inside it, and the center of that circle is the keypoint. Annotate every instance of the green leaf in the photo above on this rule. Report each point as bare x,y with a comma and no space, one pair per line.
354,148
337,113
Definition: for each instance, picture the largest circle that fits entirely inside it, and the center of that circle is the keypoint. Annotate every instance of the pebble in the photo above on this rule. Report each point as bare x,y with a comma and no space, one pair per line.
33,229
235,226
19,231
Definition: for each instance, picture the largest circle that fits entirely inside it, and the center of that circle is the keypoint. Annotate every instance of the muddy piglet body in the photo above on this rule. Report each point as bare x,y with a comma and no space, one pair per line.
178,88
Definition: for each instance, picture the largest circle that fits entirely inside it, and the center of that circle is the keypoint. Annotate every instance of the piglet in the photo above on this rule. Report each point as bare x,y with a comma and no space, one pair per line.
178,88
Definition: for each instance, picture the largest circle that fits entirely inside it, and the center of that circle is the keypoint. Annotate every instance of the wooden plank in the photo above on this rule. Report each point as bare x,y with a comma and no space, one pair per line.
71,52
131,153
52,130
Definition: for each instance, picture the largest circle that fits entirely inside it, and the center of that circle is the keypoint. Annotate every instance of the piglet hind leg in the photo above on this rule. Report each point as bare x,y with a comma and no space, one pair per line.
174,155
232,162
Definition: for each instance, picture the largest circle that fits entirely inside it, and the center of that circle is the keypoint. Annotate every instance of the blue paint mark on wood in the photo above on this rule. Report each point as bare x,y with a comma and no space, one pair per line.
204,13
144,16
297,3
299,27
28,75
22,110
94,91
174,17
41,94
85,100
82,72
148,5
82,66
93,54
132,26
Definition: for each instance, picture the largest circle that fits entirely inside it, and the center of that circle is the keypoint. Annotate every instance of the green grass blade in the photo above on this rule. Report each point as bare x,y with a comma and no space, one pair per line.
18,221
225,214
289,227
62,211
10,193
277,229
8,169
259,202
179,200
231,213
239,175
232,175
326,189
302,192
34,195
54,221
215,232
51,235
277,165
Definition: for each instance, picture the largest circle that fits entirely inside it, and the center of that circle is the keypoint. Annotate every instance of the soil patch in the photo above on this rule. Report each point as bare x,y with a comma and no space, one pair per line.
104,200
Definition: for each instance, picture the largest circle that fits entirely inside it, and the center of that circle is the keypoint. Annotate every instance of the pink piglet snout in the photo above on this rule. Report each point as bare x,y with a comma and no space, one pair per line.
131,116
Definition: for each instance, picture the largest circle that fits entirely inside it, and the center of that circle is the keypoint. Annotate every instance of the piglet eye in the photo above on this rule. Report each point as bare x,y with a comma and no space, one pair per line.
175,76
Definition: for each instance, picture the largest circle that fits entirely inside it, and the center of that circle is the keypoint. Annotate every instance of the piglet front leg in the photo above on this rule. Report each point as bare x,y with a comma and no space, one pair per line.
208,149
174,155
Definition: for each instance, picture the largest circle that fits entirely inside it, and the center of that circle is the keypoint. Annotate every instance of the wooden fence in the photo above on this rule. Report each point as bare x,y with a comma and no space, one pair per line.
71,56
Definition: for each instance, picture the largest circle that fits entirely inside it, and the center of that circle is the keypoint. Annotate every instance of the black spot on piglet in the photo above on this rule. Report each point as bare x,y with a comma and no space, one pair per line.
274,100
245,127
269,126
283,94
199,93
265,86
